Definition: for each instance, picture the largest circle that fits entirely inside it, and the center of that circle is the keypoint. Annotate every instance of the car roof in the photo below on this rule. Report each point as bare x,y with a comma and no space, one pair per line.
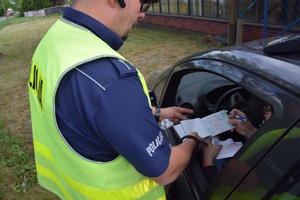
282,69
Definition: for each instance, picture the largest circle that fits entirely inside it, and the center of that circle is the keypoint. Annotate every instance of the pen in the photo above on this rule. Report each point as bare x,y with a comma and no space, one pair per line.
237,116
240,117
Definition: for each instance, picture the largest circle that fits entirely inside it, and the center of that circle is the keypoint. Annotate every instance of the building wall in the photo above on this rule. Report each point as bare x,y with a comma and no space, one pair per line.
216,27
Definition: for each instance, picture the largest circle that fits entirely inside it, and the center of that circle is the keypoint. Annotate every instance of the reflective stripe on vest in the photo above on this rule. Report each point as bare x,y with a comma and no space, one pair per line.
60,169
49,172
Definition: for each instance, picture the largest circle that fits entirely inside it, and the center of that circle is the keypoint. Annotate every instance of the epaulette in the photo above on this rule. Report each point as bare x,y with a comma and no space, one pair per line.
124,68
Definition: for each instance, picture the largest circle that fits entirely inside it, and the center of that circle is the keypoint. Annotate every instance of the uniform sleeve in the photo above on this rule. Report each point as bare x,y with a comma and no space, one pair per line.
124,120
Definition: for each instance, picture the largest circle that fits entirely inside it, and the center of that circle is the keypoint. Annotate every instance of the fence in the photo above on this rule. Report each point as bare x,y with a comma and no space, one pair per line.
279,17
282,16
283,12
45,11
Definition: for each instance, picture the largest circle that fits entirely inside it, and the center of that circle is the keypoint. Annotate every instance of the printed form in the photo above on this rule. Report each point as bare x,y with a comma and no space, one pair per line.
211,125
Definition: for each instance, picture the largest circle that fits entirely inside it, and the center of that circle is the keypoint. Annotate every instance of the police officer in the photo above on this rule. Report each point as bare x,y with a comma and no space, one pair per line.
95,136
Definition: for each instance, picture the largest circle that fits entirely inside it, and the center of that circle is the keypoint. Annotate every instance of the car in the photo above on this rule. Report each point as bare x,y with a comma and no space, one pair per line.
10,12
246,77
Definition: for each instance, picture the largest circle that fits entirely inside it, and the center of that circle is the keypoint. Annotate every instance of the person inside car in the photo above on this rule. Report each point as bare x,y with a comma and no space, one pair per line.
244,128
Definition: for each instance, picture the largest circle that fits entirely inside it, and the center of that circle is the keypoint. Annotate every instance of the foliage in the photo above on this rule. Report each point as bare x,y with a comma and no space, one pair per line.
28,5
24,5
14,4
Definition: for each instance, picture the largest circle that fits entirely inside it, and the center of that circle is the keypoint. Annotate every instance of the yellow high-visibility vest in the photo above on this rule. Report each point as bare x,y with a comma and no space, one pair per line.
59,168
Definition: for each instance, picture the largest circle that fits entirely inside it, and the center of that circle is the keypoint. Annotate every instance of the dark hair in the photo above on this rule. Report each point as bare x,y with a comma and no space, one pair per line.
73,2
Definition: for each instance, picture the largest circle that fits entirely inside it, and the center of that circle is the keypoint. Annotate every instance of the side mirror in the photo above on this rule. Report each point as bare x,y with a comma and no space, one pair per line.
153,99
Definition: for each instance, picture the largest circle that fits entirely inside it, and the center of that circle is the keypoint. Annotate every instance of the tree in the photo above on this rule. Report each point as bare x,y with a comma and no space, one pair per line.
14,4
28,5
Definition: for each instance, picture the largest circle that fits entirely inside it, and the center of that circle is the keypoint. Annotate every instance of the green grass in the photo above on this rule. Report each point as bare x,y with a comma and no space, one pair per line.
16,20
147,49
150,49
18,39
16,165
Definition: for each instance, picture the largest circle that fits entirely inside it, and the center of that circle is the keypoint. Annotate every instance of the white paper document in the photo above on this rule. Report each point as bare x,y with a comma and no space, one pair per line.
229,147
210,125
166,123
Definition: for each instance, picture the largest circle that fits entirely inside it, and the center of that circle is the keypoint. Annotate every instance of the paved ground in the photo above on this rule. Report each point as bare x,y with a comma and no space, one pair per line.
4,18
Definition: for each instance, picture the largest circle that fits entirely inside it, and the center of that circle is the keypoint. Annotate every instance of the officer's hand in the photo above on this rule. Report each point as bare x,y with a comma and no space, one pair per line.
175,114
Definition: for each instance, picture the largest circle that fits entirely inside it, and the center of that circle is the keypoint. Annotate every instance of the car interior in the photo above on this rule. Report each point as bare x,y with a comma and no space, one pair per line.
207,93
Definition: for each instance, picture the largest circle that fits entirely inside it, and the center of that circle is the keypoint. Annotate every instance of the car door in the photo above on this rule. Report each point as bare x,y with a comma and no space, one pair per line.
277,174
199,85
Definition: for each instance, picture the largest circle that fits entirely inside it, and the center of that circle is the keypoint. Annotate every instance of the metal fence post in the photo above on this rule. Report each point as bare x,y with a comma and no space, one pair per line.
239,31
232,24
265,18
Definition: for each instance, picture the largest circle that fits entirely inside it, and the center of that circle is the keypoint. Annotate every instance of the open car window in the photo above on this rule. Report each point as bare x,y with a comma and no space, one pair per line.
207,93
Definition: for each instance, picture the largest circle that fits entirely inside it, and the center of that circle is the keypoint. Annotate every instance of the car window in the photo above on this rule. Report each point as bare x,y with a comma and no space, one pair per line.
277,174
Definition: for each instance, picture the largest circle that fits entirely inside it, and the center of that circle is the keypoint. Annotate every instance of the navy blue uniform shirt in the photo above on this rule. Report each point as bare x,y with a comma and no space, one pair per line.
102,110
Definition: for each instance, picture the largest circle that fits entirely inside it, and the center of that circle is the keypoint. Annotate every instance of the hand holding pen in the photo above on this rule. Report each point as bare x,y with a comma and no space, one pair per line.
237,116
241,123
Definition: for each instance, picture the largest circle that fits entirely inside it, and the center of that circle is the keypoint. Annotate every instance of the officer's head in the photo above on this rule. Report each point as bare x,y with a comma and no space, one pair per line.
118,15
